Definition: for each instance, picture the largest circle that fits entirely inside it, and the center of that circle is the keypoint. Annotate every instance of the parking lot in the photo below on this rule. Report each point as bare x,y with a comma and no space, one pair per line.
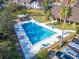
69,51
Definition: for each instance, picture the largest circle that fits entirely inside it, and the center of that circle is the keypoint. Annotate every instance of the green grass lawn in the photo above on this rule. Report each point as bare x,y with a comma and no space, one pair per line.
40,18
4,42
35,12
67,26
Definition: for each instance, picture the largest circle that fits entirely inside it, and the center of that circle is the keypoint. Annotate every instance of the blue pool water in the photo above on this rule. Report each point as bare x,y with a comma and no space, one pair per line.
36,33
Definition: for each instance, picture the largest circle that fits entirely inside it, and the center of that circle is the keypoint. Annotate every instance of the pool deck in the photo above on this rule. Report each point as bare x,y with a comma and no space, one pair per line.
34,49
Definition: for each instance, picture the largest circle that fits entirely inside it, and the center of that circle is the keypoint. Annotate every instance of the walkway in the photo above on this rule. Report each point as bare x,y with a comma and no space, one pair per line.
70,30
23,40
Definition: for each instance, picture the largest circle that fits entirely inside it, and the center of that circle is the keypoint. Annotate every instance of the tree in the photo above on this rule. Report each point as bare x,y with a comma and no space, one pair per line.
43,54
65,14
7,26
5,52
45,4
66,11
4,1
47,8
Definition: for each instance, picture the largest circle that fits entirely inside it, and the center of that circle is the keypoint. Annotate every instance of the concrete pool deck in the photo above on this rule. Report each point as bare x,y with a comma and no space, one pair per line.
34,49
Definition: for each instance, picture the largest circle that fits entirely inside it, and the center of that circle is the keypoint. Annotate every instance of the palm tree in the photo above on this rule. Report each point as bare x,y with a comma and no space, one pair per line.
47,8
65,14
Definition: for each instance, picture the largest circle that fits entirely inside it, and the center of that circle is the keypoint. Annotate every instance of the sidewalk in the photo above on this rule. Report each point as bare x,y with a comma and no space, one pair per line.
70,30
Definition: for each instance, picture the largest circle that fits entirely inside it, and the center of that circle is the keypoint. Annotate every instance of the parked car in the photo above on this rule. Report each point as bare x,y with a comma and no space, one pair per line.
71,52
51,54
73,45
62,55
75,41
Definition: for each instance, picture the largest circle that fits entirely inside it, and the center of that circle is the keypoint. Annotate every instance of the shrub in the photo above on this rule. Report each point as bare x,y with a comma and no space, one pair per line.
77,29
35,12
43,54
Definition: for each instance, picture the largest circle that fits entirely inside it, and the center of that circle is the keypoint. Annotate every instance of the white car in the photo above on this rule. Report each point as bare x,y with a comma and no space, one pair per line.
71,52
74,45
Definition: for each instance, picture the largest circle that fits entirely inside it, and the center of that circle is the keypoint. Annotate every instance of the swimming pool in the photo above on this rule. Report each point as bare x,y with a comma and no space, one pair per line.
36,33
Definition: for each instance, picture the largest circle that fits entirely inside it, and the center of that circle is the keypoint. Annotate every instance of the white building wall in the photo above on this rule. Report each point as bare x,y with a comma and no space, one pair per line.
28,4
35,5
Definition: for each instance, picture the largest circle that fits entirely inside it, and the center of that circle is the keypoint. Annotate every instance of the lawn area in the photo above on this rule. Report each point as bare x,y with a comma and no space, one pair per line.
38,15
4,42
35,12
41,19
67,26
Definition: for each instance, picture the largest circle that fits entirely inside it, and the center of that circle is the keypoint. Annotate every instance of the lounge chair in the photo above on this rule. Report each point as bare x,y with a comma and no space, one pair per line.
46,45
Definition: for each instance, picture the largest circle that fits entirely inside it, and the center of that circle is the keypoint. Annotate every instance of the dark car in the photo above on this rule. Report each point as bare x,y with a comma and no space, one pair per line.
51,54
76,41
62,55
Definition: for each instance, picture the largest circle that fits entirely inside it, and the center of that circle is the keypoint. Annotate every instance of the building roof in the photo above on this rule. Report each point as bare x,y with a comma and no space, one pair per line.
75,13
56,11
27,1
36,0
77,4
